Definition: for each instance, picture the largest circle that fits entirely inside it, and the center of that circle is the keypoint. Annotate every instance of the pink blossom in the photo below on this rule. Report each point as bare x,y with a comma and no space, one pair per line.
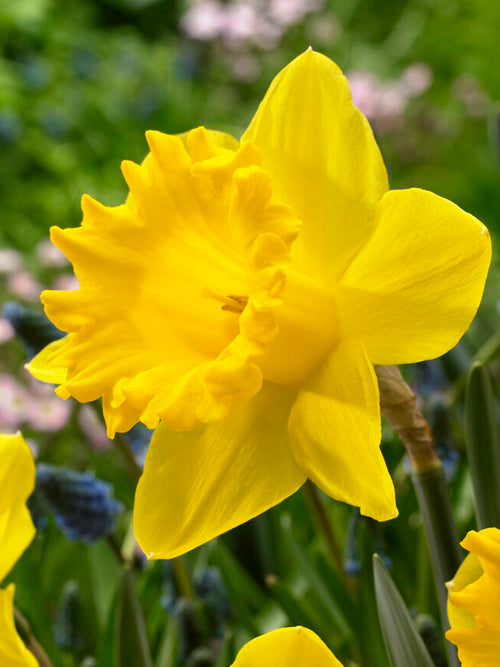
49,255
14,403
392,102
24,285
10,261
241,23
93,428
416,79
6,331
35,387
49,413
291,12
364,90
66,282
203,20
384,102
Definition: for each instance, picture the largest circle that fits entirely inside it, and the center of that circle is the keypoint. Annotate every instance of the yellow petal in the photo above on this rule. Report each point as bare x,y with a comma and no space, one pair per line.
41,367
13,652
485,544
478,647
323,159
335,433
474,601
287,647
199,484
201,150
467,573
17,481
412,291
482,597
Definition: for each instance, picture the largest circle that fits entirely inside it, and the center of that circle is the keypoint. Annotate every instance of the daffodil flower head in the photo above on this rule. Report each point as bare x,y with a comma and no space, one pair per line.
17,480
298,646
239,298
474,601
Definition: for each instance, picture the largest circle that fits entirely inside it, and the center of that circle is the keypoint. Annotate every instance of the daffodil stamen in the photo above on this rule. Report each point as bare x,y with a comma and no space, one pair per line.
233,303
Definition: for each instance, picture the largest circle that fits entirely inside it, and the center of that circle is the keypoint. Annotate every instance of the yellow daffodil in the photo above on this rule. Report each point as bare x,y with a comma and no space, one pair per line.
240,297
474,601
298,646
17,480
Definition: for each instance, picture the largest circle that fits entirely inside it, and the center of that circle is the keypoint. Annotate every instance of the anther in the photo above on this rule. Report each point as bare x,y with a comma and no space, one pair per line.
233,303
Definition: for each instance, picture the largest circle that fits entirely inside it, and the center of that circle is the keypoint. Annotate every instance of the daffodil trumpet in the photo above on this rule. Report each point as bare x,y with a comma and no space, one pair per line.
238,299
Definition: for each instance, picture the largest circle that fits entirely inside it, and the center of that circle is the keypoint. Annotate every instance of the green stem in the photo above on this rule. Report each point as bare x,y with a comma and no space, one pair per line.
30,640
127,454
115,548
439,524
423,582
324,525
186,590
399,406
182,578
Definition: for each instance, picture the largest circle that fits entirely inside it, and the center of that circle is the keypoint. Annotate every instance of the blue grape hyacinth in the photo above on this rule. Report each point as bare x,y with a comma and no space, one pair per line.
83,506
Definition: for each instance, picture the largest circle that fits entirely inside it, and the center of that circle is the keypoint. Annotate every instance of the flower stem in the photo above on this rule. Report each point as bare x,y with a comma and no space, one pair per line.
399,407
115,548
30,640
126,452
322,521
182,578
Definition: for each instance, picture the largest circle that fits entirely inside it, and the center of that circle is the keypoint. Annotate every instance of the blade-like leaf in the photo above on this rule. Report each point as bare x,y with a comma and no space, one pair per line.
131,642
483,446
404,645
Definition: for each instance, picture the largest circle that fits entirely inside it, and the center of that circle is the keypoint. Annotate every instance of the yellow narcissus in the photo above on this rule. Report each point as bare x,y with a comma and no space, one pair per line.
474,601
287,647
17,480
239,298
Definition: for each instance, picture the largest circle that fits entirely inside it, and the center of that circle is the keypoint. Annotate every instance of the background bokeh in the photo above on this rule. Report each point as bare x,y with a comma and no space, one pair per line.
80,83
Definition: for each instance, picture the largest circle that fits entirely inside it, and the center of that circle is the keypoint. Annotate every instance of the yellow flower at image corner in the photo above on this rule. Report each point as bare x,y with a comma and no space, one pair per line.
238,300
474,601
17,481
286,647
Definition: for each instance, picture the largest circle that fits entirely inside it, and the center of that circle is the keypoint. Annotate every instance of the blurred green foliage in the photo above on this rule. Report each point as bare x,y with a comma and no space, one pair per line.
80,82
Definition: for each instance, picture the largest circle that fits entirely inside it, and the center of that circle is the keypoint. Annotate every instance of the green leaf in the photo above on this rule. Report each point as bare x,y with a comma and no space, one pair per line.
131,642
483,446
404,645
299,609
245,596
228,651
323,599
105,578
169,645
